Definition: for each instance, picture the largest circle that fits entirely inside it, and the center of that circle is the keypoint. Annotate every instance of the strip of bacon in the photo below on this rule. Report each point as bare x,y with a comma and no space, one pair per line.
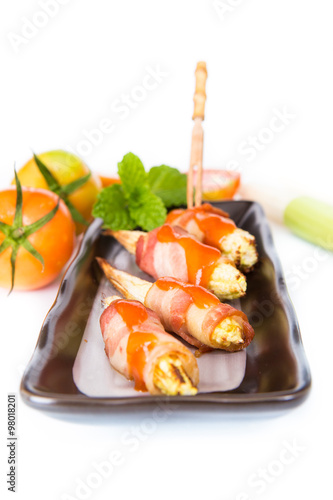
213,227
190,311
197,315
172,251
139,348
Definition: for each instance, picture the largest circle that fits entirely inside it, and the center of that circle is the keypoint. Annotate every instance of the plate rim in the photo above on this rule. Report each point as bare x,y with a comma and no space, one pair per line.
58,401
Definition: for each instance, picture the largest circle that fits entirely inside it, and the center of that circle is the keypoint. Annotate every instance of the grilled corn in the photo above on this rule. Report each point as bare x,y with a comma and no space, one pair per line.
240,247
171,378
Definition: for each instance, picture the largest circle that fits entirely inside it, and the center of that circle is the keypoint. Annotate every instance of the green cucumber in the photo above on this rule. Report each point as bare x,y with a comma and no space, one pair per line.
311,219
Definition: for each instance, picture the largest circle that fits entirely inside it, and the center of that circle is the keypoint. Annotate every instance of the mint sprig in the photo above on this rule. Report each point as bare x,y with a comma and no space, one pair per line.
169,184
147,209
132,173
112,207
142,199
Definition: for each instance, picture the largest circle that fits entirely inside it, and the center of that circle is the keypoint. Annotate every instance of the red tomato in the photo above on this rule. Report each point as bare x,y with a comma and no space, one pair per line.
108,181
219,184
54,241
66,168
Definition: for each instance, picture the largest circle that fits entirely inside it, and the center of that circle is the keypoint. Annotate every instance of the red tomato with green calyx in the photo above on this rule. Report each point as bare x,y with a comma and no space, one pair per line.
40,249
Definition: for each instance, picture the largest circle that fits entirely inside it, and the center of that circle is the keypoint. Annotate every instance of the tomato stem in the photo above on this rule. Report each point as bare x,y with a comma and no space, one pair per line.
63,191
17,234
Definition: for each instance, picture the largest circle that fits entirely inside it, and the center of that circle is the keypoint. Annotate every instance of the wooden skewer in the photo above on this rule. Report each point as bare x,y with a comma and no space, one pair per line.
197,136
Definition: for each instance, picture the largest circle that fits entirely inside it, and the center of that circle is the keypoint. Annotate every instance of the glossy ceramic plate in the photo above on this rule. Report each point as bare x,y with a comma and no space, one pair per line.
276,367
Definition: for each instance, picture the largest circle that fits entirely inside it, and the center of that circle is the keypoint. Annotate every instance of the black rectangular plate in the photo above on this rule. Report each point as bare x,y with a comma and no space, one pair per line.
276,368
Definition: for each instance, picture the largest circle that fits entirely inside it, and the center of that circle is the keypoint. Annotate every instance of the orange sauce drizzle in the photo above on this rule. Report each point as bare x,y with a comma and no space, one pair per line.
201,297
138,347
200,258
174,214
139,343
213,225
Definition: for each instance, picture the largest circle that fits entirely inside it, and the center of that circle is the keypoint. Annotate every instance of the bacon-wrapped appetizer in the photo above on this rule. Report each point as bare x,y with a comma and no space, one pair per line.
172,251
191,311
213,227
139,348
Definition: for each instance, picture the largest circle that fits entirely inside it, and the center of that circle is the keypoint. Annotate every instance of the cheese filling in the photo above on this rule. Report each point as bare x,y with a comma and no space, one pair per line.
171,378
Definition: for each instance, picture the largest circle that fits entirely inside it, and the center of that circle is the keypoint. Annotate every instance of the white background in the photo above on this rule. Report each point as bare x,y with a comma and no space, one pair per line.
261,55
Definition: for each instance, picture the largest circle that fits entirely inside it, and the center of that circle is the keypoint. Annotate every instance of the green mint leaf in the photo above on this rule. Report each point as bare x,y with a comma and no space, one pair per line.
132,173
111,206
147,209
169,184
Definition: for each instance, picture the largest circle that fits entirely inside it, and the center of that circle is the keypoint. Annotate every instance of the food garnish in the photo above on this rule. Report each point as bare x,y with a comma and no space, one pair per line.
142,198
